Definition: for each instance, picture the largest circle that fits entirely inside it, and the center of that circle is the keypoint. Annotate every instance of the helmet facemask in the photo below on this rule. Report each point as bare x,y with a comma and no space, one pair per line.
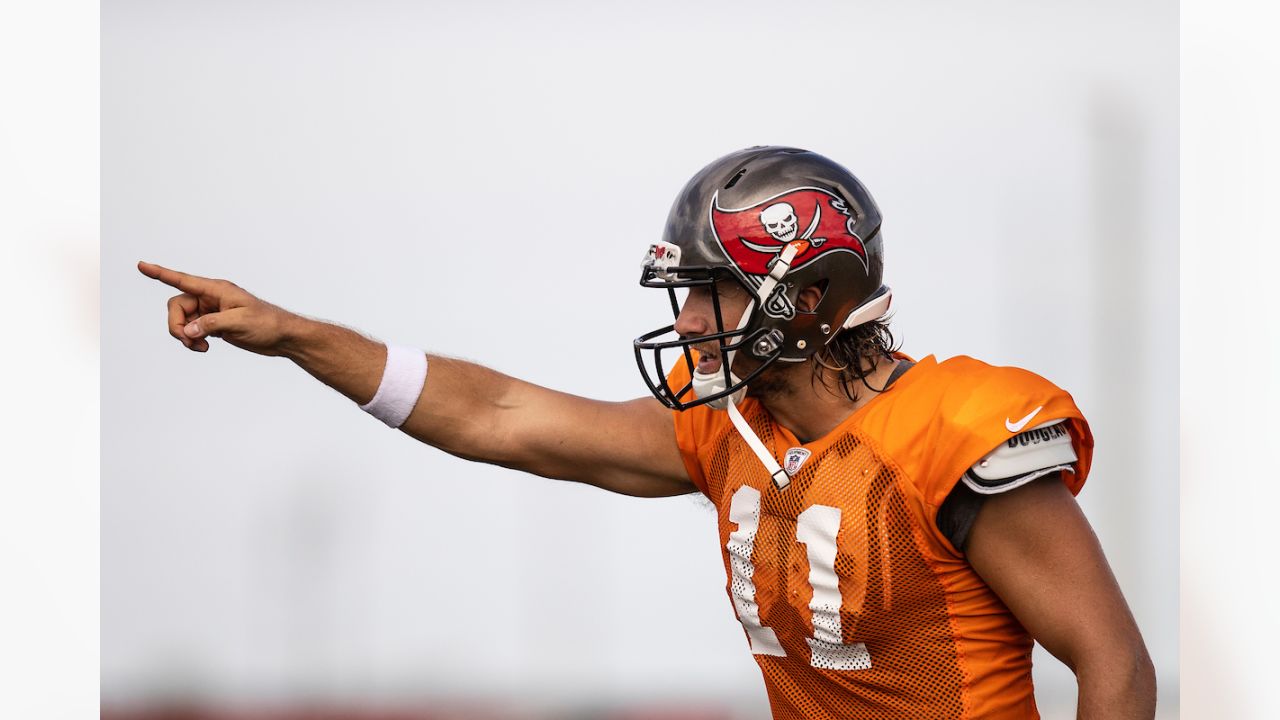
717,389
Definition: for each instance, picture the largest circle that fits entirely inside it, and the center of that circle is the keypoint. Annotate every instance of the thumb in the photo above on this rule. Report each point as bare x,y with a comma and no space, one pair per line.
212,324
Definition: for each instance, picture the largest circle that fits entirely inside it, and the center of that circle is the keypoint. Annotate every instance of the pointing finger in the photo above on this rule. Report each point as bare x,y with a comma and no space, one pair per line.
193,284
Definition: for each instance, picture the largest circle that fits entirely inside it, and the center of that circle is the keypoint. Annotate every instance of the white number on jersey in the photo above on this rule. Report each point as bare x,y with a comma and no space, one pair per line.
816,528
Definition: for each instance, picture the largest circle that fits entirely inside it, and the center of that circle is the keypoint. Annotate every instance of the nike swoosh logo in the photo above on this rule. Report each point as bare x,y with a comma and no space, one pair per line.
1014,427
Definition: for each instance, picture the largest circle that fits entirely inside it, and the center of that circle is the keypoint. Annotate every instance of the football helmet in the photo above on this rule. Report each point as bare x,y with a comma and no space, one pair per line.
774,220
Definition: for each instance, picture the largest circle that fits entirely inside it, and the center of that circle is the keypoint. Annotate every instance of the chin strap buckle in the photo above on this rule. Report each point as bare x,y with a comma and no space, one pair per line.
778,267
781,263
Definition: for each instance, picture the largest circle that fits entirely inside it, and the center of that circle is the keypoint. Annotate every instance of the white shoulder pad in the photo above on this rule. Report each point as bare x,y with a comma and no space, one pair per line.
1023,458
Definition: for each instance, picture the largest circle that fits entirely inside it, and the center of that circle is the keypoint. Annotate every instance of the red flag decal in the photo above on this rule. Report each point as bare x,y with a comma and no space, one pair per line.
752,236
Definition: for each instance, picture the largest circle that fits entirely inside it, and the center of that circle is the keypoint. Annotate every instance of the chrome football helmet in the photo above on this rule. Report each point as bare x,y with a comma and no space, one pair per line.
774,220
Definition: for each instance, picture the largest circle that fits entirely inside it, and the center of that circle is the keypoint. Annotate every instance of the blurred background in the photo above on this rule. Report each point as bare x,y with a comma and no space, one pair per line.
481,180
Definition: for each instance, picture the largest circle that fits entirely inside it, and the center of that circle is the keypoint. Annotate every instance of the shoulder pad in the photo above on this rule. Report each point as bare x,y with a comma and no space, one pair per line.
1022,458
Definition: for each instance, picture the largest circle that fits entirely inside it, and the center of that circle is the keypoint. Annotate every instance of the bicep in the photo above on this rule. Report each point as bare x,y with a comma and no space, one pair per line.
1036,550
626,447
479,414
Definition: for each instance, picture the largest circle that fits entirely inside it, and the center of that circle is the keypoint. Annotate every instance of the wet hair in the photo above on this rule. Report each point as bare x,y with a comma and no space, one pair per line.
854,354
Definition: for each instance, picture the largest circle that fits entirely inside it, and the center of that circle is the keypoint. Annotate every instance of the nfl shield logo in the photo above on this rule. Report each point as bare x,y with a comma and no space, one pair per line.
794,459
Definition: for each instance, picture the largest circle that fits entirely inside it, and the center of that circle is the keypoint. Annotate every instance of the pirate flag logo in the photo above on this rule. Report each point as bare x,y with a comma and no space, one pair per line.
753,236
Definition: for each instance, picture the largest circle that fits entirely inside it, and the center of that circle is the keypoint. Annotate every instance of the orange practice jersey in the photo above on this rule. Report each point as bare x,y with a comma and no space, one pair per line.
854,603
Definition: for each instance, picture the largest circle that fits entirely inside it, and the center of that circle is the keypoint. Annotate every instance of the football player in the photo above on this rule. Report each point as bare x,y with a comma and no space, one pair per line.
895,532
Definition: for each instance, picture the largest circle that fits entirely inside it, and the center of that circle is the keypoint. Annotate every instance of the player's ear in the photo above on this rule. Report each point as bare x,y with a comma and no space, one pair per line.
809,297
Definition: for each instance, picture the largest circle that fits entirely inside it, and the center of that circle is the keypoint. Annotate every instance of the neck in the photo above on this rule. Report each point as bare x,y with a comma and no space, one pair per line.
811,408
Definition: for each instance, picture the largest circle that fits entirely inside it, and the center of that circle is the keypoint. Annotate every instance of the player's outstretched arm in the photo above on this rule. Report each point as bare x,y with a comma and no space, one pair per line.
1035,548
464,409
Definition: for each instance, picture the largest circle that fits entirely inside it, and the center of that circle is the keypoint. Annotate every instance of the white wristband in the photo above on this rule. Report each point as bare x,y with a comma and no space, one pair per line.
402,381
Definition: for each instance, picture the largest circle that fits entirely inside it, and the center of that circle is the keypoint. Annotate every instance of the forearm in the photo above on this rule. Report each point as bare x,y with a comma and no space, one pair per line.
339,357
1123,688
459,402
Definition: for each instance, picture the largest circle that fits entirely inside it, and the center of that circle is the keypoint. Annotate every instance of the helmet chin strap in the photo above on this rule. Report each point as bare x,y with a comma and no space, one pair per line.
780,477
705,384
710,383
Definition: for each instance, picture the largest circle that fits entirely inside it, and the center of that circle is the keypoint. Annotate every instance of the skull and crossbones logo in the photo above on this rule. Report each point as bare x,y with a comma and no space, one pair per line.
780,221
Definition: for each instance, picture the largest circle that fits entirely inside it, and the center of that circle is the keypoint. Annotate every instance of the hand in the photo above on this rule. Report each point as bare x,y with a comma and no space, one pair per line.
218,308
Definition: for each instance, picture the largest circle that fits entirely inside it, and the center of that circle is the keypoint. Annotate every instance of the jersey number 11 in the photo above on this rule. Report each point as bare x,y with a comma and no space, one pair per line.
816,529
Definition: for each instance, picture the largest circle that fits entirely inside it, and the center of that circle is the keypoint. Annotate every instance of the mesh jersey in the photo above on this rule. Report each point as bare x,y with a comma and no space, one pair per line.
854,603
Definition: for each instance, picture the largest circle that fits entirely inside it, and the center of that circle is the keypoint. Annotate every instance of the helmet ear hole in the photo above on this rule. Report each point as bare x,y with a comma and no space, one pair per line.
809,298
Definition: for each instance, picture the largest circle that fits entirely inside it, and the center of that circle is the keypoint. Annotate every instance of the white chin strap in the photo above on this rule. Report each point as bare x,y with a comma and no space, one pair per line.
711,383
780,477
705,384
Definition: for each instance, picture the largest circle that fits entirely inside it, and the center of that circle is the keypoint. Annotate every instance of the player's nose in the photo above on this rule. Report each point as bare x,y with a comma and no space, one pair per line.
693,321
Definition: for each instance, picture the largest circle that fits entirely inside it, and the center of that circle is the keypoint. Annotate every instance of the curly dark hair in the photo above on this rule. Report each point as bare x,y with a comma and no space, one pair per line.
853,355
